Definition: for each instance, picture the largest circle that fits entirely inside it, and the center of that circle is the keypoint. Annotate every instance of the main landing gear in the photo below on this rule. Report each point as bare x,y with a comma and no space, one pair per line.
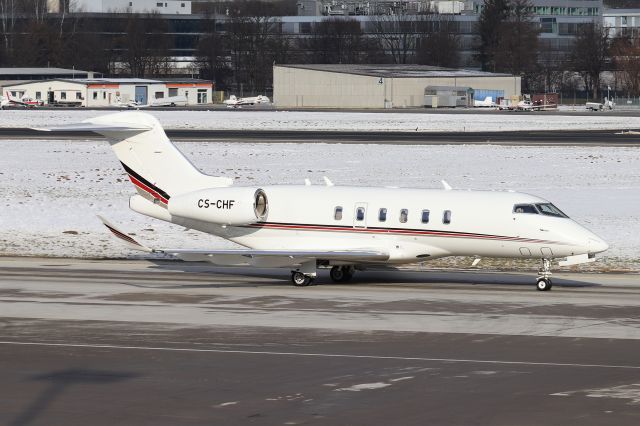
300,279
306,275
543,282
341,274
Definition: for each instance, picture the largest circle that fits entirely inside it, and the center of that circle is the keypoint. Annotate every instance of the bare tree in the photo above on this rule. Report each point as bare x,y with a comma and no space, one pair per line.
338,41
145,46
590,55
626,56
438,43
397,35
492,19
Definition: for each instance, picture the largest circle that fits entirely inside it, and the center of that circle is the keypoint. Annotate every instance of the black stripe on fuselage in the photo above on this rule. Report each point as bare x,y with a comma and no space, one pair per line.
432,232
143,180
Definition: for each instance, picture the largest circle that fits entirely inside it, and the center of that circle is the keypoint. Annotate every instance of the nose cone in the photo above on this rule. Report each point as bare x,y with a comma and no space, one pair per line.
597,245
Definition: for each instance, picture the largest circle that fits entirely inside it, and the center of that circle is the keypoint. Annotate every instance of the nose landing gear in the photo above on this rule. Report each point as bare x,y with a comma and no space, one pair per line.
543,282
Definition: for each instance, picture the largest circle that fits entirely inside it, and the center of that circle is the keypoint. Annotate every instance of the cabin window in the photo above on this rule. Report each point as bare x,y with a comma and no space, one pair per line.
382,215
525,208
95,95
337,214
425,216
360,214
446,217
404,214
549,209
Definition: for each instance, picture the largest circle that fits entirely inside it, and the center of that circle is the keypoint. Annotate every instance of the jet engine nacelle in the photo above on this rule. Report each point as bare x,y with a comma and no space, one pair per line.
223,206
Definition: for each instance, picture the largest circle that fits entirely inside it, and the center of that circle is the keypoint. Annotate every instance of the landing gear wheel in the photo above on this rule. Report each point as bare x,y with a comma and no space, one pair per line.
544,284
341,274
300,280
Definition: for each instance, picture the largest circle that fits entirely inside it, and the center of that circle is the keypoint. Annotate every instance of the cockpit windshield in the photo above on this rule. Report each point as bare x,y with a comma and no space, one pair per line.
550,210
525,208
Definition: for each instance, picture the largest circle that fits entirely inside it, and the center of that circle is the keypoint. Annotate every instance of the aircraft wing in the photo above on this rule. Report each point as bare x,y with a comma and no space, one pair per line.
250,257
276,258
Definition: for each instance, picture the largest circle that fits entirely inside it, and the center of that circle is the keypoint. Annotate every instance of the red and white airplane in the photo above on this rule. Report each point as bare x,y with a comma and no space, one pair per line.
24,101
345,228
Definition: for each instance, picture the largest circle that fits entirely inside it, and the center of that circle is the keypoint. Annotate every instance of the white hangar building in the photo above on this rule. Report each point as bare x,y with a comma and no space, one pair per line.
105,92
379,86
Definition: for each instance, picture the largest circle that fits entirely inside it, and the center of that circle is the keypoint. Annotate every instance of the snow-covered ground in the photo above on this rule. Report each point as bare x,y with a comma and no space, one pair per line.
335,121
51,190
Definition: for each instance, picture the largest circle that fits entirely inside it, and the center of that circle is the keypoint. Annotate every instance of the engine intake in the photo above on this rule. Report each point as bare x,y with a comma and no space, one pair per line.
223,206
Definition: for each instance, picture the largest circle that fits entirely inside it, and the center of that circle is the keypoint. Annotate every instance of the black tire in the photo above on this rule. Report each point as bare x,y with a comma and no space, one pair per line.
543,284
337,274
300,280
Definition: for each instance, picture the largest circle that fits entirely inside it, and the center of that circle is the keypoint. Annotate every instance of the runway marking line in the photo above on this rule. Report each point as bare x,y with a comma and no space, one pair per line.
320,355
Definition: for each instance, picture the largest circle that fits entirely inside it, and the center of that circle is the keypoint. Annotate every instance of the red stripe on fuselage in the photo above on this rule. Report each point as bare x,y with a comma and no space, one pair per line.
144,187
443,234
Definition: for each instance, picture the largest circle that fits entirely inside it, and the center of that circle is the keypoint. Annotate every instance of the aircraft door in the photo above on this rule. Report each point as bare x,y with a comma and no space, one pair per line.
360,215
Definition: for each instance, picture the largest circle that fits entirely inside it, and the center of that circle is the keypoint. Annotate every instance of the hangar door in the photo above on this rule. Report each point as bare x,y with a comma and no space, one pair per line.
141,95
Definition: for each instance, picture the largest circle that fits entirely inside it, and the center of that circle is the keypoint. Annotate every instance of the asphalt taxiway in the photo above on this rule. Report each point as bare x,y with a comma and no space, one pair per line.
142,342
621,137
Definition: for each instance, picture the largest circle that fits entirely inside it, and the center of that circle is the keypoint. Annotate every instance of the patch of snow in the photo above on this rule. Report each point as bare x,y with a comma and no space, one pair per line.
630,392
364,386
313,121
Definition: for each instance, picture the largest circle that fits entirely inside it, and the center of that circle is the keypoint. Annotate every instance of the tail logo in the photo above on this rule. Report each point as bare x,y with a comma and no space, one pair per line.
145,186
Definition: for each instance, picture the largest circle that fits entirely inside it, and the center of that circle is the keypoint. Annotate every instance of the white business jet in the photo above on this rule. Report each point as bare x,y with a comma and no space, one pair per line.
234,102
345,228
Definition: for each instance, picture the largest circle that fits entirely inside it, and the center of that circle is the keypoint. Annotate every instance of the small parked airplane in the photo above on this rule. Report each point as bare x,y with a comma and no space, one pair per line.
345,228
24,101
235,102
486,103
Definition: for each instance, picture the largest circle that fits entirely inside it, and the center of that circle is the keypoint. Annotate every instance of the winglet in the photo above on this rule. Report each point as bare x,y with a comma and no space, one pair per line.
130,242
447,187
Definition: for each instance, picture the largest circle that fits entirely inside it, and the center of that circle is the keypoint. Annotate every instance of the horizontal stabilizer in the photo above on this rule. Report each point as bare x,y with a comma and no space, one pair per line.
130,242
97,127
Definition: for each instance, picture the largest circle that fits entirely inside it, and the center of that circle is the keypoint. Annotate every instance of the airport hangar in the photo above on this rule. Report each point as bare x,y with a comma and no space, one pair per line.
379,86
104,92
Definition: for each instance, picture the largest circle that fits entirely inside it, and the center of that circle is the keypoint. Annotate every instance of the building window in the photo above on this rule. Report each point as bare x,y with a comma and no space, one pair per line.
159,95
337,214
202,96
181,4
78,95
104,95
446,217
425,216
173,91
382,215
159,4
95,95
404,214
130,4
38,95
63,95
